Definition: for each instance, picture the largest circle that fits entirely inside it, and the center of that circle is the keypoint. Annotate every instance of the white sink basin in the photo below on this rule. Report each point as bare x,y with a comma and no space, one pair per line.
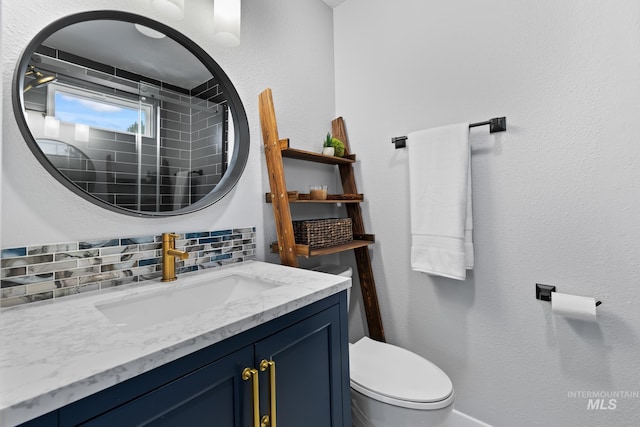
187,296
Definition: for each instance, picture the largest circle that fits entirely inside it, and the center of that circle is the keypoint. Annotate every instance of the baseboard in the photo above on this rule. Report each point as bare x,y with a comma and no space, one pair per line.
458,419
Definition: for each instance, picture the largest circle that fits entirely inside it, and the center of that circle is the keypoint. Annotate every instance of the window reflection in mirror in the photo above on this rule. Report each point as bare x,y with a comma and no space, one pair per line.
157,135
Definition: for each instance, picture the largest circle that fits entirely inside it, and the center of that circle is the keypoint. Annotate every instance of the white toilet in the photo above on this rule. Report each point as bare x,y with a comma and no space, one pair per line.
391,386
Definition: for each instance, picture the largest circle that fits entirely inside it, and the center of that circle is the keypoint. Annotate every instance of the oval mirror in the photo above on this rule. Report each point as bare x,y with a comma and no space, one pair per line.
130,114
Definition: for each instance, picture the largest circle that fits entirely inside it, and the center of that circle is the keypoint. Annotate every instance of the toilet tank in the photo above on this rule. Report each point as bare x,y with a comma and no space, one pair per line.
338,270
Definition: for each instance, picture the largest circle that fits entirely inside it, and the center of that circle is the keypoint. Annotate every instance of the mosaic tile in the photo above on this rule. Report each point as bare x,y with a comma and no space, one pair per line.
98,244
12,272
45,272
50,249
195,248
26,280
119,249
231,249
77,254
196,235
67,282
140,271
27,260
109,259
210,240
243,230
149,261
119,266
39,297
209,252
232,237
51,267
137,255
91,261
150,246
40,287
13,291
76,290
13,252
186,269
12,302
109,275
77,272
137,240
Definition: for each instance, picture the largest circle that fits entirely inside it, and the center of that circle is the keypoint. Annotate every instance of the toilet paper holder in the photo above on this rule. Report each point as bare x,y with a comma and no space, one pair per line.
543,292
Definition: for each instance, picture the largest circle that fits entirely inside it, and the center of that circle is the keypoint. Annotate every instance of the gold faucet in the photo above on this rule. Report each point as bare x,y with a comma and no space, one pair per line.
169,255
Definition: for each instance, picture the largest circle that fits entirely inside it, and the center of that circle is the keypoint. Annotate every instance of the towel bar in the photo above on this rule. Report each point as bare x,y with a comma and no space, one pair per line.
497,124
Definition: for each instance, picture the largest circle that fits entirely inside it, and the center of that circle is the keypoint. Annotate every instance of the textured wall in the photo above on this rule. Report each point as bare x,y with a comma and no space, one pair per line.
286,45
556,197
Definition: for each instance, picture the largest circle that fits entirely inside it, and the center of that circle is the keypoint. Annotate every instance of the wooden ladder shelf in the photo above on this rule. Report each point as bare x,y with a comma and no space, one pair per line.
275,149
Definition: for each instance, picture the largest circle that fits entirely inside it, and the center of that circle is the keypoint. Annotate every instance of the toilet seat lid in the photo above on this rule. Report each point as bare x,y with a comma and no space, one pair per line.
397,376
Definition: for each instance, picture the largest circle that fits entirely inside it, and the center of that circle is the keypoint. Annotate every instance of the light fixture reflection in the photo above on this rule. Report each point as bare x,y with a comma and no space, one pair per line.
226,22
149,32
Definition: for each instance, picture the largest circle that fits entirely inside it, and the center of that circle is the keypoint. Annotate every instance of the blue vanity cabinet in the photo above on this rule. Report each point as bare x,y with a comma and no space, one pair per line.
47,420
309,347
213,395
309,387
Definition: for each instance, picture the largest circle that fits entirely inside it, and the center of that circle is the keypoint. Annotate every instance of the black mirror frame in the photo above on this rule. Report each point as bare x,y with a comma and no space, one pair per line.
241,147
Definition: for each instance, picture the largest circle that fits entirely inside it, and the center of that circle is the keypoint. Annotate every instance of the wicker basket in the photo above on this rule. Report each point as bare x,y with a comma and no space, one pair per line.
322,233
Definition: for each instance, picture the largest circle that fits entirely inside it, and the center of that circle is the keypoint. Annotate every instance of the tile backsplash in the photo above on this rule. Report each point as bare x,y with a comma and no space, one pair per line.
37,273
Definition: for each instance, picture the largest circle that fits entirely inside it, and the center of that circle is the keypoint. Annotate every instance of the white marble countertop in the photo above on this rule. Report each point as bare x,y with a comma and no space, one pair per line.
56,352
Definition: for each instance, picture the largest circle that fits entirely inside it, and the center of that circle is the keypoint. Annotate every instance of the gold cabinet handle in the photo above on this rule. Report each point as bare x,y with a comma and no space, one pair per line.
252,374
271,366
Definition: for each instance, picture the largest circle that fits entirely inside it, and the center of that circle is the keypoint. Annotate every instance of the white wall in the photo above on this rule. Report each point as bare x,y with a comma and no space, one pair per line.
1,135
1,96
556,197
286,45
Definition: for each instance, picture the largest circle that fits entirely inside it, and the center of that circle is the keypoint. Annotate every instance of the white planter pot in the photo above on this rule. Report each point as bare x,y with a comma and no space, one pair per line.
328,151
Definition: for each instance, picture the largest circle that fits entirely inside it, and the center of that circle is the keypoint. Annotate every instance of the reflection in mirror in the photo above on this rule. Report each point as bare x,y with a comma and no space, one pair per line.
71,161
131,116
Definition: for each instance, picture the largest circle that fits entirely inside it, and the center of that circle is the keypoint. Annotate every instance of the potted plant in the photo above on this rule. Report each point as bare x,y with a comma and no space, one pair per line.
333,147
327,148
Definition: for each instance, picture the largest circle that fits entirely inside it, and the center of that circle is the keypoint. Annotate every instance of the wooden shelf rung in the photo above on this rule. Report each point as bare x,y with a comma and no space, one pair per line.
307,252
295,197
294,153
366,237
284,143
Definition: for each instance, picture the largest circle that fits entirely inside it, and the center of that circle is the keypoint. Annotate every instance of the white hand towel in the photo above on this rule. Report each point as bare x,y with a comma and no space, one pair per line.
440,198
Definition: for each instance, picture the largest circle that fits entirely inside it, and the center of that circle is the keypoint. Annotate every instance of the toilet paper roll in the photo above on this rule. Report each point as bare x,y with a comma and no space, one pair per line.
573,306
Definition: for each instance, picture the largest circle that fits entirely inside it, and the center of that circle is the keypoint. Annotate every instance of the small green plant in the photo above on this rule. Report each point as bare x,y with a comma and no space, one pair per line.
327,142
337,145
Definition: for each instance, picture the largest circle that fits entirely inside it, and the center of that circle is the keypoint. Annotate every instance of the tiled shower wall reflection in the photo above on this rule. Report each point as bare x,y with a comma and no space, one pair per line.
44,272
